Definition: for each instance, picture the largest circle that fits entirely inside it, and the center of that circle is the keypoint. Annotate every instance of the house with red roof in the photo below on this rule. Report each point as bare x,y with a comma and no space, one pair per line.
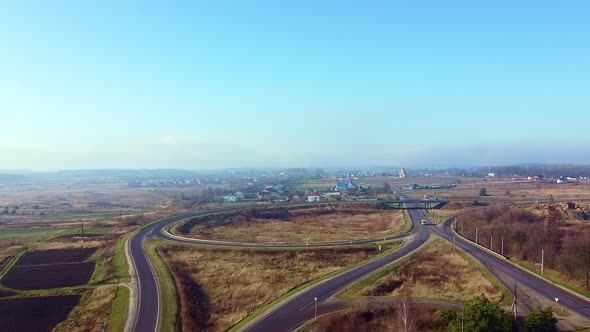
313,197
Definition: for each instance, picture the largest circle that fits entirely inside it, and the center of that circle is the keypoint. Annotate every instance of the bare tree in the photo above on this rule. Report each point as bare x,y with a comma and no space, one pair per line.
404,307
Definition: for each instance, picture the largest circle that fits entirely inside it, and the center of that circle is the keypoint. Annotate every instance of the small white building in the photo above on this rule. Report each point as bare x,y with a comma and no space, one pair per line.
239,195
313,197
230,198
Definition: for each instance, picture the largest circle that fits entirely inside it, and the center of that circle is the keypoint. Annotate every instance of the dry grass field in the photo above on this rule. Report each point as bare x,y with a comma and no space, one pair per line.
423,318
305,225
93,309
511,190
220,287
438,272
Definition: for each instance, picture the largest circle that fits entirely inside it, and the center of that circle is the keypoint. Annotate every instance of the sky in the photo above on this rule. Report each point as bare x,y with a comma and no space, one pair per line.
223,84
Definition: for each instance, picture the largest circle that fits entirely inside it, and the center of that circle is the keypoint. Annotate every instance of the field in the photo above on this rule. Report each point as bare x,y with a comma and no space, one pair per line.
220,287
35,314
438,272
510,190
93,309
50,269
423,318
58,257
302,224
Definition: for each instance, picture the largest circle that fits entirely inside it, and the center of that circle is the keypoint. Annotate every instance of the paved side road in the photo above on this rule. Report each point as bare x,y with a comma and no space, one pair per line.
148,294
493,263
301,308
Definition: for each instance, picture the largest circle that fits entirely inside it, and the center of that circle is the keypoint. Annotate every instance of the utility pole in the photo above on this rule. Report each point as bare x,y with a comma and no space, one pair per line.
542,260
491,242
475,235
462,319
502,245
515,302
315,316
455,241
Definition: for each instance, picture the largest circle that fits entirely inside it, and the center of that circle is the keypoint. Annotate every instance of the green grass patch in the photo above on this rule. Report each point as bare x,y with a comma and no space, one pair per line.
394,246
170,302
121,265
408,224
8,233
11,263
91,214
119,310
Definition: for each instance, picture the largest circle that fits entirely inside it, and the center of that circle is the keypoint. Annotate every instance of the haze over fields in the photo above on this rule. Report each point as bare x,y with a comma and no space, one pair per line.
200,85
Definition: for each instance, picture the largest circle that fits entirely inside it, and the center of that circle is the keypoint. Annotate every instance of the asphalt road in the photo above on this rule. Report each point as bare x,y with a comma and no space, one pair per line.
148,306
301,308
496,264
148,297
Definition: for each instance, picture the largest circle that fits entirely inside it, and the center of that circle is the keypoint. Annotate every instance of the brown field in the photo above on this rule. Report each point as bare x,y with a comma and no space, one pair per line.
36,313
437,272
510,190
50,269
48,276
423,318
220,287
328,223
55,256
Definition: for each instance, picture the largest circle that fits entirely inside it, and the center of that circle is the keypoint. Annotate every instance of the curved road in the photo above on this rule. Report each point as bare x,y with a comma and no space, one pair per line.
300,308
496,264
148,297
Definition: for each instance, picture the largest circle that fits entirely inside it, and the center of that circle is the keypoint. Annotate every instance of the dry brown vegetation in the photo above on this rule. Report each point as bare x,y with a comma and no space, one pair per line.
563,234
509,190
301,224
423,318
437,272
93,309
220,287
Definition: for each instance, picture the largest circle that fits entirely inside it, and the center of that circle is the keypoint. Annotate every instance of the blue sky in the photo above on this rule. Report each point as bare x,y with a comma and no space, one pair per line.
212,84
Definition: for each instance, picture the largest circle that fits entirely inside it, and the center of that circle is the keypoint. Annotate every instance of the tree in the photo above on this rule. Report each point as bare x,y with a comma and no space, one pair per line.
448,320
483,192
576,258
483,315
386,187
540,320
404,310
479,315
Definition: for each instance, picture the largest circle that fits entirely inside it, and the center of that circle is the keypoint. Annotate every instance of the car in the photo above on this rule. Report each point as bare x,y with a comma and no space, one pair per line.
423,221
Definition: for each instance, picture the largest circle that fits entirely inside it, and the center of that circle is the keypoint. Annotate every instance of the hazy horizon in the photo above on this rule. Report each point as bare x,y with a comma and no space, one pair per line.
260,84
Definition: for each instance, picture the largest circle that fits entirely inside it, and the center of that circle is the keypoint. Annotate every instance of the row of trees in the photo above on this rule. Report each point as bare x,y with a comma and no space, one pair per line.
526,232
482,315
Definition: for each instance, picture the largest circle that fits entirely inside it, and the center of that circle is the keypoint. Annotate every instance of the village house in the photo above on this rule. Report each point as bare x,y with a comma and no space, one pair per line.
230,198
313,197
344,186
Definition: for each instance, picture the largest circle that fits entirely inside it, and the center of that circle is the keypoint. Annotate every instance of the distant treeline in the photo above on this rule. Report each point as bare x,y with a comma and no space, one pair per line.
5,178
544,170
